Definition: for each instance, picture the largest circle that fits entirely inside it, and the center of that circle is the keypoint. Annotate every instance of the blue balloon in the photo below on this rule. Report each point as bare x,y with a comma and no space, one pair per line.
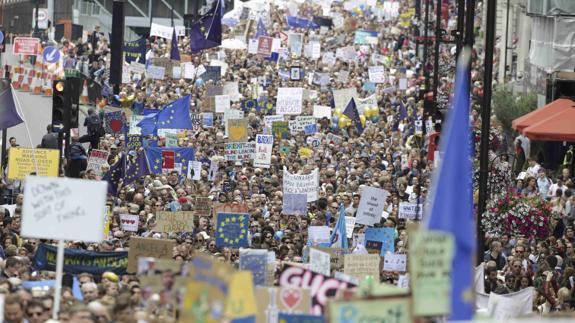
278,235
335,120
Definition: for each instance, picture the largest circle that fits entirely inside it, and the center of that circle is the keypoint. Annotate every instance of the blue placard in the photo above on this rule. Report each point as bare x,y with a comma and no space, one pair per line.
232,230
51,54
381,239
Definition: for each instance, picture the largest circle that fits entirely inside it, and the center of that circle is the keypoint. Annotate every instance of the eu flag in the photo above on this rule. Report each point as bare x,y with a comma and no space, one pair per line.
352,113
115,174
136,169
174,51
9,116
402,111
148,124
297,22
167,159
451,209
175,115
261,29
206,32
338,237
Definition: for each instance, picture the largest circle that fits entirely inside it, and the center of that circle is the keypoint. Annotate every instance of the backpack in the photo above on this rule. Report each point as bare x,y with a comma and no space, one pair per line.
95,126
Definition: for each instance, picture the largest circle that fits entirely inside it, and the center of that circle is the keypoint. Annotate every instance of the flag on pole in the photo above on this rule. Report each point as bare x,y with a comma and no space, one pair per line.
451,209
261,29
174,51
338,237
352,113
207,31
136,169
9,116
115,174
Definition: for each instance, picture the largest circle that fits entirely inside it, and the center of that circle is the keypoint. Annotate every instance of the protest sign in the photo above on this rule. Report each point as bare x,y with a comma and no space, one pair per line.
180,221
302,184
347,53
314,142
148,247
241,302
207,119
274,300
59,208
135,51
265,46
336,256
376,74
371,205
369,102
411,211
294,204
134,129
255,261
380,240
98,158
194,170
397,309
77,261
263,154
155,72
322,287
430,261
213,73
202,205
269,120
237,130
321,111
403,84
318,235
512,305
189,71
395,262
232,90
280,129
349,226
236,151
363,37
360,266
129,222
328,58
295,44
134,142
300,123
319,261
161,31
289,100
343,76
232,114
24,161
229,208
298,318
232,230
343,96
253,45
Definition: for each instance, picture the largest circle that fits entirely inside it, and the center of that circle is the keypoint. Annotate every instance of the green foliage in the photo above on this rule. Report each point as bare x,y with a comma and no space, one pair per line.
509,106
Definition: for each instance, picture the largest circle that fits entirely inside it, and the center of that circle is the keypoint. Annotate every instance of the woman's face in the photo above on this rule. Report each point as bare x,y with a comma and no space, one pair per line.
524,282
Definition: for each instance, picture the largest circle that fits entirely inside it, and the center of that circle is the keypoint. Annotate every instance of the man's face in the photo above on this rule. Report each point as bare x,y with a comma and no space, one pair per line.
13,142
13,313
90,293
81,317
36,314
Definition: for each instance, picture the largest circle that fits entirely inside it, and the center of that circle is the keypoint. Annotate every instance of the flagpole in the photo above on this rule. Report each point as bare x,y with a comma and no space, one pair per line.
485,123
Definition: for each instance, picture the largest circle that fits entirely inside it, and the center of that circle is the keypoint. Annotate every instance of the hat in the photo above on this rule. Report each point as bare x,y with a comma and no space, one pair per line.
113,146
110,276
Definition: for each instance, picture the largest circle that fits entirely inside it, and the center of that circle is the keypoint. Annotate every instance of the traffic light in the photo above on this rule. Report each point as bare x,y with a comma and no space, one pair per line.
58,105
74,85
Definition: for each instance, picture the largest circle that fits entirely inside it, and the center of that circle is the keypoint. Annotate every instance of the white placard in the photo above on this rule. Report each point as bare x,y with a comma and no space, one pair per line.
196,167
269,120
289,100
189,71
200,70
321,111
328,58
176,72
394,262
301,184
369,102
315,49
264,146
403,84
156,72
61,209
343,96
410,211
319,261
232,89
376,74
222,103
403,281
349,226
318,235
129,222
161,31
137,68
134,129
253,46
371,205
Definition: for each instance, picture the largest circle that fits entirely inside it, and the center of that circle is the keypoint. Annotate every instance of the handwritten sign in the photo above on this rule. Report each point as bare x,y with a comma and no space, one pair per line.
98,158
263,154
389,310
147,247
322,111
222,103
411,211
289,100
180,221
155,72
319,261
161,31
376,74
395,262
129,222
360,266
302,184
371,205
300,123
23,161
240,151
59,208
349,226
430,262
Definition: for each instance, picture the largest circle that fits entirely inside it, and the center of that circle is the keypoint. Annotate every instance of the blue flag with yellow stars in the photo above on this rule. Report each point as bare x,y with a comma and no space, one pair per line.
163,159
206,32
136,169
174,51
232,230
352,113
175,115
115,174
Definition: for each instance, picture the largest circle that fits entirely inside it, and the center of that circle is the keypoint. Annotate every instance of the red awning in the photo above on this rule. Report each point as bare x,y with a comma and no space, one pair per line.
558,127
540,114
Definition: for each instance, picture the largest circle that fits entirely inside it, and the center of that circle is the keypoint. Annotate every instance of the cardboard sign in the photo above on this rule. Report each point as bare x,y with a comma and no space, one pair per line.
147,247
129,222
360,266
319,261
180,221
238,130
289,100
264,147
371,205
232,230
376,74
302,184
336,256
322,287
395,262
24,161
411,211
430,261
274,300
236,151
202,206
389,310
265,46
59,208
232,207
380,240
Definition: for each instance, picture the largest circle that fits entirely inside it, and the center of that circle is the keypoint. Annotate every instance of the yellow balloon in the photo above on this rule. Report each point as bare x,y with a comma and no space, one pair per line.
362,118
337,112
368,112
342,123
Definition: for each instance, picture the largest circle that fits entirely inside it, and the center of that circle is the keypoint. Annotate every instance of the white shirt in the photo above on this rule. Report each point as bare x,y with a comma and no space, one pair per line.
553,189
533,170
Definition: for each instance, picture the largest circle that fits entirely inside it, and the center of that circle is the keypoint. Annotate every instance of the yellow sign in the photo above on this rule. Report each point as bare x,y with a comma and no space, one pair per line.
24,161
241,300
305,152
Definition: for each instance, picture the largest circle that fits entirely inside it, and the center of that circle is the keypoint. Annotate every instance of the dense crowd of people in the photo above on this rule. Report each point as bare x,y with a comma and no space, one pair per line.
396,151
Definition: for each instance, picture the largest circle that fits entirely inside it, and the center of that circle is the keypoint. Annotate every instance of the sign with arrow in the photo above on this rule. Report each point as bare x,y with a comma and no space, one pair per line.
51,55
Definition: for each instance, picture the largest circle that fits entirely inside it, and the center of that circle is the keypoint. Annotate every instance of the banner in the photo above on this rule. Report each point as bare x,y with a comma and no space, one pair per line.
301,184
240,150
263,154
98,158
371,205
135,51
23,162
77,261
289,100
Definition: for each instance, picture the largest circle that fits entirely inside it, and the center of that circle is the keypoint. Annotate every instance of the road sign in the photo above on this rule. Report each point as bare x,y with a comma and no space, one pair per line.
26,46
51,55
42,18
